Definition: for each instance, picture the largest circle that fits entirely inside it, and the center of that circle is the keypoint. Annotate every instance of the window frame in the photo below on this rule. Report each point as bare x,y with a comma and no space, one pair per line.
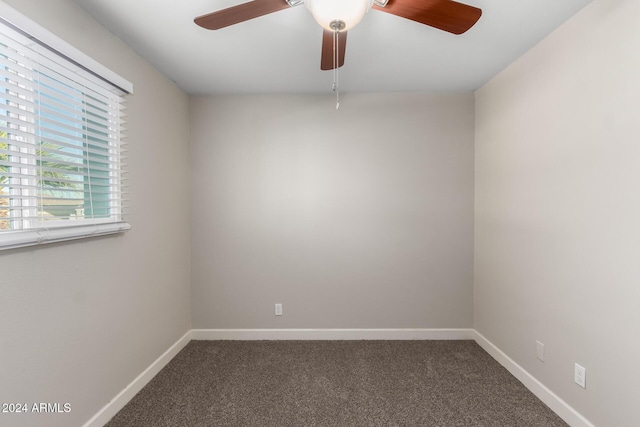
62,230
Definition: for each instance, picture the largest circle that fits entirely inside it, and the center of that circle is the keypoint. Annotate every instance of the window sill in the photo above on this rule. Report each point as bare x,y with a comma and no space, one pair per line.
19,239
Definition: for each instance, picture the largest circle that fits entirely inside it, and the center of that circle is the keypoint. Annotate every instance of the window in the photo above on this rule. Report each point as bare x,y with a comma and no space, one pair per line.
61,145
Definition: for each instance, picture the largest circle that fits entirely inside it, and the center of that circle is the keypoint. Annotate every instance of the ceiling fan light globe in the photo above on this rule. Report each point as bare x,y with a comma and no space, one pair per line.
348,11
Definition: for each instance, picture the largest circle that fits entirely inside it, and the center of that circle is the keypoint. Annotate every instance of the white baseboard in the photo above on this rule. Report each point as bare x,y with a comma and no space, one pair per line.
559,406
332,334
118,402
552,400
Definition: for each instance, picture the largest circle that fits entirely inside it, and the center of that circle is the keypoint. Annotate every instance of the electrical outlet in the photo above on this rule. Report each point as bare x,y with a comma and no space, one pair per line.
278,309
580,376
540,350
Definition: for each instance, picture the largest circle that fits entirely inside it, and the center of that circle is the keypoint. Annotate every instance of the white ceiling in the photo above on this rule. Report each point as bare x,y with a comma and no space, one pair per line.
280,52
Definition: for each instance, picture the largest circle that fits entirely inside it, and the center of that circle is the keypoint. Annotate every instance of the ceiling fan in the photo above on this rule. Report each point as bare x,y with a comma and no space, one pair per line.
338,16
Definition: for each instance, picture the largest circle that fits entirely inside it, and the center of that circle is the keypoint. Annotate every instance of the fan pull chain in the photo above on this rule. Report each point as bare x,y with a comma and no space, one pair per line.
336,36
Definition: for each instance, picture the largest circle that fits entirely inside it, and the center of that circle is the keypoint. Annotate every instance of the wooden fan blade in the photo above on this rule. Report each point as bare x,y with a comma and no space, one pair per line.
326,62
446,15
242,12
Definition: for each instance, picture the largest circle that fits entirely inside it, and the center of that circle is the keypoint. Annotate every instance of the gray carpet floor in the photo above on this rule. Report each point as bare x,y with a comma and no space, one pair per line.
334,383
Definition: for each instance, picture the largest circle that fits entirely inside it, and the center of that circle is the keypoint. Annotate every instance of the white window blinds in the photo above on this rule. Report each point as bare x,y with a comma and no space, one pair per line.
61,146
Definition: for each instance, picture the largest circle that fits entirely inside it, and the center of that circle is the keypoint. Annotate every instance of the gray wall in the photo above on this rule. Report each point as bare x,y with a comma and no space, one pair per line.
79,321
557,231
357,218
